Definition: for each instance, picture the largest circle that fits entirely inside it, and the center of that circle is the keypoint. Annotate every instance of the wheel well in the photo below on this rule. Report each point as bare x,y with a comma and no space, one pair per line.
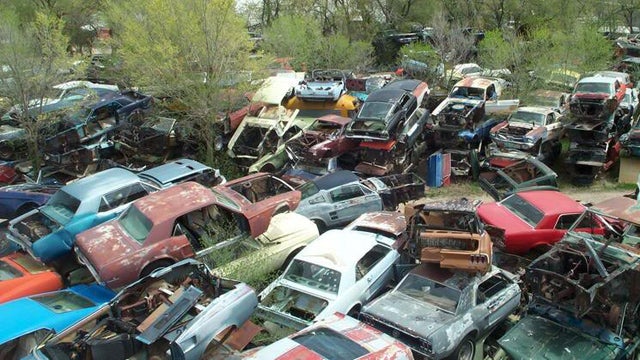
355,308
154,265
281,209
290,257
268,167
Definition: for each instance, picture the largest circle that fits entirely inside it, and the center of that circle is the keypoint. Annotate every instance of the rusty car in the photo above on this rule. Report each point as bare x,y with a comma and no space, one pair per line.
596,96
21,275
184,221
177,312
450,233
337,198
534,220
320,281
440,313
48,232
585,291
338,337
527,173
532,129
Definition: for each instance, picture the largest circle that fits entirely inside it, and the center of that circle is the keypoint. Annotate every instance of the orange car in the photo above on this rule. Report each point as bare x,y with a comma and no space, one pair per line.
21,275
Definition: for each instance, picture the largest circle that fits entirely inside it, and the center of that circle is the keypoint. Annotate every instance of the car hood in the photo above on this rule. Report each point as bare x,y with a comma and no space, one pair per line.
105,244
498,216
592,96
405,312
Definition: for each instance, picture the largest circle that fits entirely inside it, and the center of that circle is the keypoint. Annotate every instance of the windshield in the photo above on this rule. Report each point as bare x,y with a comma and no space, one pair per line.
7,272
308,189
79,116
63,301
375,110
431,292
330,344
594,88
135,224
528,117
468,92
314,276
61,206
523,209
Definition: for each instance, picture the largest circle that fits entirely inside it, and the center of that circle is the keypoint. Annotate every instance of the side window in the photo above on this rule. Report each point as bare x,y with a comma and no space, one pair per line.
122,196
565,221
550,119
369,260
346,193
490,287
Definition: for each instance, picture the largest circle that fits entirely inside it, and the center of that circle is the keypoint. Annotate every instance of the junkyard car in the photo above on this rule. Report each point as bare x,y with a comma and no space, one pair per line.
393,107
630,105
534,219
18,199
584,291
322,85
48,232
449,233
184,221
175,313
525,174
596,96
338,337
321,280
25,321
21,275
93,123
441,312
340,197
535,130
460,71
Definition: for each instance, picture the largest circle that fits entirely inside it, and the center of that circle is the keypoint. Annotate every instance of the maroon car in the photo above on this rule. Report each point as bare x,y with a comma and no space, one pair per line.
184,221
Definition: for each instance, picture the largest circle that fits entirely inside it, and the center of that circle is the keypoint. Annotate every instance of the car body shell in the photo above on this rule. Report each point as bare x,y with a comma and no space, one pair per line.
596,96
359,281
559,211
115,258
322,85
48,232
19,198
517,133
429,329
222,305
35,316
524,174
25,276
374,344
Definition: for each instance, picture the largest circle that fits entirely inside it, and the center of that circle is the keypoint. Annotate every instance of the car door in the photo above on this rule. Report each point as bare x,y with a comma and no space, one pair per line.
348,202
374,270
497,297
553,125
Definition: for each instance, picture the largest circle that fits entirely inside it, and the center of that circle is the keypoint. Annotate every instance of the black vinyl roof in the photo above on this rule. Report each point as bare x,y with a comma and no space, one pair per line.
406,85
341,177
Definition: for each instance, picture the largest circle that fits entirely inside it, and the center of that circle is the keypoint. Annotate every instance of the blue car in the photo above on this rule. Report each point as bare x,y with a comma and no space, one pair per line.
25,321
48,233
21,198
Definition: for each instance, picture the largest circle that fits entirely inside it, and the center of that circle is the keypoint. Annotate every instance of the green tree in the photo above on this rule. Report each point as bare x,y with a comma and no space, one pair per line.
33,56
192,51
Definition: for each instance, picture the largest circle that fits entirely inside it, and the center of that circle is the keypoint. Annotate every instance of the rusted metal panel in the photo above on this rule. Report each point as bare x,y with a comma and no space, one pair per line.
622,207
387,221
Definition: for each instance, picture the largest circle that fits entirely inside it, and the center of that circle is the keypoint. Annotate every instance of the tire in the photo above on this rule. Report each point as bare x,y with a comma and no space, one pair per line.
321,226
158,264
466,350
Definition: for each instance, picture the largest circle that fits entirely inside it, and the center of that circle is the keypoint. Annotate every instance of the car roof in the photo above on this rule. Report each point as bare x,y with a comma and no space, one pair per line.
406,84
457,279
386,94
334,119
83,83
388,222
552,202
322,251
100,183
186,197
535,109
331,180
476,82
462,205
173,171
597,79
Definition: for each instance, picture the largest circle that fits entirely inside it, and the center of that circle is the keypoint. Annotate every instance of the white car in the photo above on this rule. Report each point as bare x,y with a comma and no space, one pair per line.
339,272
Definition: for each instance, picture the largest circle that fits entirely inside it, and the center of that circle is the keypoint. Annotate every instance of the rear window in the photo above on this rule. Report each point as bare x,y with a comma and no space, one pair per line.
522,209
330,344
136,224
61,206
63,301
308,189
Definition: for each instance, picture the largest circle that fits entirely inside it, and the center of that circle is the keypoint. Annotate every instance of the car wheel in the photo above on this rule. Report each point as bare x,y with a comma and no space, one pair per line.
6,152
466,350
321,226
155,266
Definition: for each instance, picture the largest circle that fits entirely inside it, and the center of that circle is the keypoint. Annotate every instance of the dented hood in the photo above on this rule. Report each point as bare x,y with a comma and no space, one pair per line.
407,313
105,244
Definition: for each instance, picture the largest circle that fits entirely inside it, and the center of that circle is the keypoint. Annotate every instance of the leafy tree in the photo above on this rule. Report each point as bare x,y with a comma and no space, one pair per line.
33,56
191,51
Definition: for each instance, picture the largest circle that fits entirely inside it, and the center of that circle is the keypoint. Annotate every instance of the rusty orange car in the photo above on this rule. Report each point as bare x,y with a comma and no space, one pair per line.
21,275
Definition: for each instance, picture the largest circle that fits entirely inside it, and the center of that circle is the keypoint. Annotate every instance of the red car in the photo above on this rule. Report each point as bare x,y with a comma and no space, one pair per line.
21,275
533,219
